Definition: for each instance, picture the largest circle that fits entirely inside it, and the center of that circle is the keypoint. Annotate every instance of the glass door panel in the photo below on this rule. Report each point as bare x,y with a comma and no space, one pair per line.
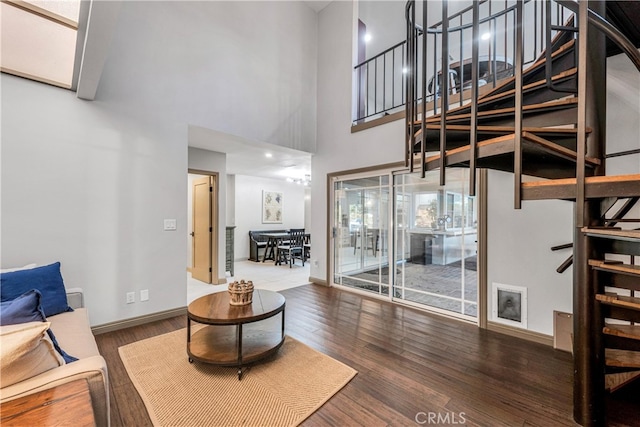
436,242
361,232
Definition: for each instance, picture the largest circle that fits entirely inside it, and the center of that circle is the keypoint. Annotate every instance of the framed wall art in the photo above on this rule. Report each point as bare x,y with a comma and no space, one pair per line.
271,207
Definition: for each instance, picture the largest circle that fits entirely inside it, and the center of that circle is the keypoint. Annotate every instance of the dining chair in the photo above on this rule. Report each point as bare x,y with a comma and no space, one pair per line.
294,249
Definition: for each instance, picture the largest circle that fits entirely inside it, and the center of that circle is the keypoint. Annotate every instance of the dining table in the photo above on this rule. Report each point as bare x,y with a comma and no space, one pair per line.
273,240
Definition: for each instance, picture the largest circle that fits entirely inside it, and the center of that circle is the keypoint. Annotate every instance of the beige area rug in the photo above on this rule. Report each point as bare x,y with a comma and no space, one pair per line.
281,391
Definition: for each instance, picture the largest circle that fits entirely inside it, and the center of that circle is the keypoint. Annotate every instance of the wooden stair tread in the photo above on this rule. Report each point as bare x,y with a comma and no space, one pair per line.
618,380
505,129
619,300
622,358
493,97
536,66
526,109
530,143
558,149
596,187
633,270
457,135
528,87
624,331
613,233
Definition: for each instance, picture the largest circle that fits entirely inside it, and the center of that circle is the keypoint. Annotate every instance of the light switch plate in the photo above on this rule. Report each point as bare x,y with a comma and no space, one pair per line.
170,225
144,295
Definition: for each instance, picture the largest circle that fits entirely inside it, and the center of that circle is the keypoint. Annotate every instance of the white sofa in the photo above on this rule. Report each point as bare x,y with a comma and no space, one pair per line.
73,332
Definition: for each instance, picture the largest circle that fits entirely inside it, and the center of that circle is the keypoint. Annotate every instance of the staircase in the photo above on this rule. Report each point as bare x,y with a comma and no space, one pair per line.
547,122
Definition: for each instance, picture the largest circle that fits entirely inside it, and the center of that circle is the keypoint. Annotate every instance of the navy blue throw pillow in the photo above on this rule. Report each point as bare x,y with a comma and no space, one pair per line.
46,279
27,308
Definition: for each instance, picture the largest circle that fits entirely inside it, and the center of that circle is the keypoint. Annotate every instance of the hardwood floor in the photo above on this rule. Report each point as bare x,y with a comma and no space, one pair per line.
410,364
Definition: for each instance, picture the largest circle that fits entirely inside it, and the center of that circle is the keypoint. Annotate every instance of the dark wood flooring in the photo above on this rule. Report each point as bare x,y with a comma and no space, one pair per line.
409,364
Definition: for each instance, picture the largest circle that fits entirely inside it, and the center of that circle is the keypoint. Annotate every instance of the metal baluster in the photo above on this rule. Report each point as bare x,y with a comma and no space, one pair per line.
375,86
367,93
505,16
473,136
494,42
423,122
359,92
535,28
435,86
444,97
582,111
517,154
407,84
404,76
461,62
384,82
393,78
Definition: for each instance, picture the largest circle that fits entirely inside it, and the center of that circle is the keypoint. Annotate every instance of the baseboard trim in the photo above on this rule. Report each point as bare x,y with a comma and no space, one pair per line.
137,321
521,333
317,281
222,281
188,269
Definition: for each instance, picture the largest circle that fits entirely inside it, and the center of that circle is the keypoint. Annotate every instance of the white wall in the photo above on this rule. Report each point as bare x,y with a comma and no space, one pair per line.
211,161
337,148
231,199
89,183
519,254
307,208
385,23
243,68
84,184
249,208
623,111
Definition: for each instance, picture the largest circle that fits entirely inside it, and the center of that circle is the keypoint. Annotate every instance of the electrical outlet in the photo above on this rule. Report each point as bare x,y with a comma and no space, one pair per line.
144,295
131,297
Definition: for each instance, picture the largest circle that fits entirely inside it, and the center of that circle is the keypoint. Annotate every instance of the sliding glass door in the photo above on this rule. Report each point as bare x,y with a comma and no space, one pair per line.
409,239
361,233
436,242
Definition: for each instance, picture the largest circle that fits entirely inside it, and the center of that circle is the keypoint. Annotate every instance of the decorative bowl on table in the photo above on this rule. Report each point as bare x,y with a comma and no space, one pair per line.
241,293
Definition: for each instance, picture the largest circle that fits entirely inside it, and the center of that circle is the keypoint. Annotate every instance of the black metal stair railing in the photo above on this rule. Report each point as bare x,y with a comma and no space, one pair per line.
470,73
588,342
380,81
440,82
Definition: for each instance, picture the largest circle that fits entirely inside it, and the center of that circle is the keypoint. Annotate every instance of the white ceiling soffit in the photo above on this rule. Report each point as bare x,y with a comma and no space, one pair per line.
99,29
249,157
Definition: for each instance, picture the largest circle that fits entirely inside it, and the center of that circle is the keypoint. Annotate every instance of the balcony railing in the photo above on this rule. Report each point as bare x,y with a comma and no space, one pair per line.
380,84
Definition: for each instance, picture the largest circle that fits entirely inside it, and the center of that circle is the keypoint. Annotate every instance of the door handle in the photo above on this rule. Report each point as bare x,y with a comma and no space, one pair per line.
192,234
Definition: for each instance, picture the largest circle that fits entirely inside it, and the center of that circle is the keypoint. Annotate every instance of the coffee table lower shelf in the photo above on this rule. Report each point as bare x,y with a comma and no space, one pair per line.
225,345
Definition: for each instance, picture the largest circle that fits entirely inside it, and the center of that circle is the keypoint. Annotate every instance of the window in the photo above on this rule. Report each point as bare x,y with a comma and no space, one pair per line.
39,39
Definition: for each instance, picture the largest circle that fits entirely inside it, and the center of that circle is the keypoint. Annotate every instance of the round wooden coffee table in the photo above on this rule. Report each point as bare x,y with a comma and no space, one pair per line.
222,341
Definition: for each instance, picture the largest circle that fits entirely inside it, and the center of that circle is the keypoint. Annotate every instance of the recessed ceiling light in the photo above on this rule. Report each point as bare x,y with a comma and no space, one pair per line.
269,155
